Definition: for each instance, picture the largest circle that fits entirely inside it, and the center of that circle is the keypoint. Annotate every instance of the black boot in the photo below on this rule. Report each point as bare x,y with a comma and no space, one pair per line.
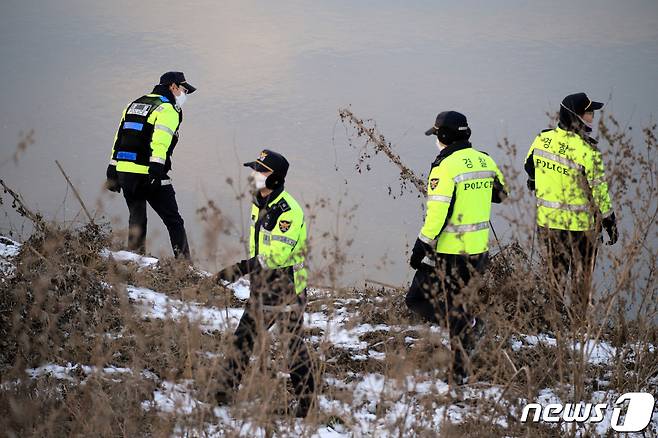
223,397
303,406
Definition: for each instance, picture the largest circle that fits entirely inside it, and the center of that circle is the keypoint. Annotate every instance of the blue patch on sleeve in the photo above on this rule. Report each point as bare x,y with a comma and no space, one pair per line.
133,125
130,156
164,99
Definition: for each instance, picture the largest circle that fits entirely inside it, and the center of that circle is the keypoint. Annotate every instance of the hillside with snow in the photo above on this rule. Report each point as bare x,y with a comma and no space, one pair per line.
379,377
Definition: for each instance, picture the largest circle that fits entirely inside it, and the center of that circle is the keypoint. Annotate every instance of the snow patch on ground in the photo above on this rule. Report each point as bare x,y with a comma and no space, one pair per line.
240,289
8,250
67,372
159,306
597,352
127,256
173,398
389,407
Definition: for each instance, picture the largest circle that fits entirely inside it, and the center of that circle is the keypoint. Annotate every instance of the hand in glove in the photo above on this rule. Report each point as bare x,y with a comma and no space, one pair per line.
234,272
418,253
610,225
230,274
156,174
112,183
531,184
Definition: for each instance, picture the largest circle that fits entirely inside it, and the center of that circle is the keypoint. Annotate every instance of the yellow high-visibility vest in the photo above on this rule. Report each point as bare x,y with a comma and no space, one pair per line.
459,193
570,183
278,237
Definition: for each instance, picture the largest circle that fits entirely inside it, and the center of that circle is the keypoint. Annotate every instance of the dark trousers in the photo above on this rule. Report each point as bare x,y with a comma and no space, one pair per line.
433,295
162,199
571,253
256,320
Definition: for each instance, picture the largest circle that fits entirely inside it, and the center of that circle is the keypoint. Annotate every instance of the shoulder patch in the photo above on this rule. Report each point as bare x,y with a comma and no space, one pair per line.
433,183
164,99
284,225
283,205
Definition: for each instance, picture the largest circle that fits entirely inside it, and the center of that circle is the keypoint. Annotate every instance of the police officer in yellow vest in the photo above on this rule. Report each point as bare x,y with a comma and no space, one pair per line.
454,240
277,246
141,159
566,171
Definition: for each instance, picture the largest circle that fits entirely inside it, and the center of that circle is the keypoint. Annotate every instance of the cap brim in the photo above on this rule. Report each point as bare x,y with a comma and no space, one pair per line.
257,166
190,89
594,106
431,131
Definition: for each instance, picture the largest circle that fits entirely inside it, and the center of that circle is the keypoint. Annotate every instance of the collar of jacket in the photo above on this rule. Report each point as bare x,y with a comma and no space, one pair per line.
456,146
261,202
163,90
589,140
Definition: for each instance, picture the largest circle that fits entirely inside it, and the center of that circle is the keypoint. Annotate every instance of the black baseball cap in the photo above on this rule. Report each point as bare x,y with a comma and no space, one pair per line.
579,103
178,78
270,161
449,119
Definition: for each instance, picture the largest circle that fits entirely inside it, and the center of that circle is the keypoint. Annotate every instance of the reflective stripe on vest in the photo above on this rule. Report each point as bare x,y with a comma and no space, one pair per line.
475,175
466,228
439,198
128,156
133,125
427,240
558,158
284,239
562,206
165,129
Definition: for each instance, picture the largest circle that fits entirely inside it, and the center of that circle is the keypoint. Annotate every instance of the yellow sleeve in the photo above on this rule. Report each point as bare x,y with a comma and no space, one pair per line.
116,137
164,129
499,174
440,190
598,184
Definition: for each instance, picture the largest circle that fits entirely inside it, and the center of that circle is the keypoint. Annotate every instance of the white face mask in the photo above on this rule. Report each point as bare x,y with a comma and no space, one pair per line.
181,98
257,180
439,145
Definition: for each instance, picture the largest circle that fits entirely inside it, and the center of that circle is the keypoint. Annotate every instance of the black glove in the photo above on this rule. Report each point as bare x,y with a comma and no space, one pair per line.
234,272
610,225
531,184
112,183
156,174
498,194
418,253
230,274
